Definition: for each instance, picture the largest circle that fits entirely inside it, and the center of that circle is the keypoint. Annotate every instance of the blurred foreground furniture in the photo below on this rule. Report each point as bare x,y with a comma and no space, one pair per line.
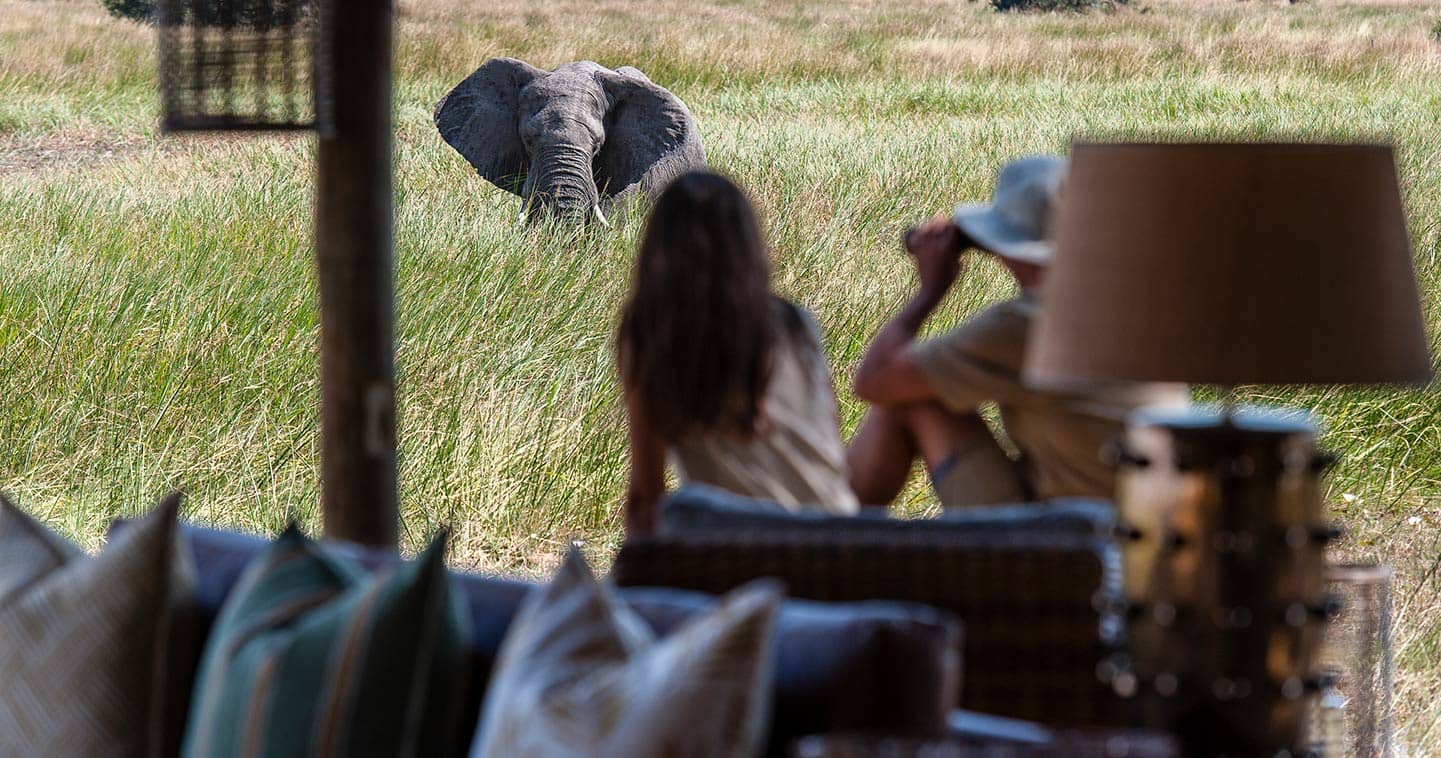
1353,714
1035,585
1227,264
1082,743
868,671
884,667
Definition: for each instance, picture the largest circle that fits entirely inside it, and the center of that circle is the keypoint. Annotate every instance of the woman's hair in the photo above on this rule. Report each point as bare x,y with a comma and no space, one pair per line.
696,335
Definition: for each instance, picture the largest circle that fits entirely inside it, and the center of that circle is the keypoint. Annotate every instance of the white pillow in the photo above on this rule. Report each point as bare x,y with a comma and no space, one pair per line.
84,641
579,674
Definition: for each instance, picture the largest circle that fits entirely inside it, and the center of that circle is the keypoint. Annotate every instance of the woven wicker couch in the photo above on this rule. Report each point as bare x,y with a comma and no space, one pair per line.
1035,585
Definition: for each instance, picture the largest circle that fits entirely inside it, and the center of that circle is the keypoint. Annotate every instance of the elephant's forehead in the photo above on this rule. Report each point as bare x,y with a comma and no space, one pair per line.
583,68
564,83
579,99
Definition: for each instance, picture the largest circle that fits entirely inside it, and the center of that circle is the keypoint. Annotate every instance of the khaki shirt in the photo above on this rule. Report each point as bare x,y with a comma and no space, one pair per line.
796,459
1060,434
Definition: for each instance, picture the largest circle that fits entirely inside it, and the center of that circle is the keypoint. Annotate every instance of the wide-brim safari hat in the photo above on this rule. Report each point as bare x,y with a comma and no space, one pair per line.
1017,223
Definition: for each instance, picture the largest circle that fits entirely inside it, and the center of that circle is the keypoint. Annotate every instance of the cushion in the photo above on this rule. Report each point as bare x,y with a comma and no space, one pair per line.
579,674
220,557
313,655
876,666
702,509
83,640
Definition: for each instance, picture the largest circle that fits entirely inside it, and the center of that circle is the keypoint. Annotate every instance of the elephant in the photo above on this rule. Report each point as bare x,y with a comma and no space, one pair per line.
575,143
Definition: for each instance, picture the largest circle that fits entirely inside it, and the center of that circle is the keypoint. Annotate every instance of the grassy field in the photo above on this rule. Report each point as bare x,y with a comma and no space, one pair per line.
157,304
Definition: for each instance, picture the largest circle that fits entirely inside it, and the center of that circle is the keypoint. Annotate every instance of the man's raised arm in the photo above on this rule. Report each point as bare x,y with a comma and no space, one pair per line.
887,374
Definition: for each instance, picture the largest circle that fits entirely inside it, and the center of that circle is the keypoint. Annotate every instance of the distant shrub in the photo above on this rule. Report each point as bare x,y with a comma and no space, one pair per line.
1436,30
261,13
139,10
1046,6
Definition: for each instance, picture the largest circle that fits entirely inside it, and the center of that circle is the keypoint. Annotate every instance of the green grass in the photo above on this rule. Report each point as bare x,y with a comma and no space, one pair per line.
157,303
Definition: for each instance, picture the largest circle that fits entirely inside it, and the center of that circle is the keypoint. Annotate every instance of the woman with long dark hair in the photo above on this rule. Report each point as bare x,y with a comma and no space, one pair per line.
719,375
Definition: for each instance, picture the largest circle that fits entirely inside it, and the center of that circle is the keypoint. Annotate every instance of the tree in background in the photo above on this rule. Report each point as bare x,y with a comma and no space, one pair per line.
260,14
139,10
1055,5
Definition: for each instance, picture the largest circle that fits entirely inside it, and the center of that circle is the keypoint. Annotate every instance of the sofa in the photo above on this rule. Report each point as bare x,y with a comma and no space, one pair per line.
850,657
871,667
1037,585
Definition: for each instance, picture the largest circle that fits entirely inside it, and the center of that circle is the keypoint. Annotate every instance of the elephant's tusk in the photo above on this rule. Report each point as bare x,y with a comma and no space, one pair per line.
601,217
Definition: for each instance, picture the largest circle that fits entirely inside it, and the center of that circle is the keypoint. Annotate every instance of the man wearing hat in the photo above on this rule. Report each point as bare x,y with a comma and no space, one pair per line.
926,396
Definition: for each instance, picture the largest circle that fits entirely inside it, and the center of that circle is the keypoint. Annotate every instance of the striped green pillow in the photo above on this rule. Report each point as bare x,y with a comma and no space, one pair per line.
313,656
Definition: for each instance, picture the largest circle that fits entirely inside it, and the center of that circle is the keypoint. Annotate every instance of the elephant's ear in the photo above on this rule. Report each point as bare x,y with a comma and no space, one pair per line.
650,136
479,119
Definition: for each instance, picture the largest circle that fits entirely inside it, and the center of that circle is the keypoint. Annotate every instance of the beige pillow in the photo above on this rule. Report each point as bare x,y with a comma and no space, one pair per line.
82,640
579,675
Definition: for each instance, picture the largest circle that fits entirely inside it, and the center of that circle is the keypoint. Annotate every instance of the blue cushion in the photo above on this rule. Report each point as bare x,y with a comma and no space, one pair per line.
876,666
699,509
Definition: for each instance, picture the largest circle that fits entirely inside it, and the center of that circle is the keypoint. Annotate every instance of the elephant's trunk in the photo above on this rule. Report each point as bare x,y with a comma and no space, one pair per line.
563,184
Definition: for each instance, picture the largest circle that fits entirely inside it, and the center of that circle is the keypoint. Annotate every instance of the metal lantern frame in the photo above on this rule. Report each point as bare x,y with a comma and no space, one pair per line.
246,65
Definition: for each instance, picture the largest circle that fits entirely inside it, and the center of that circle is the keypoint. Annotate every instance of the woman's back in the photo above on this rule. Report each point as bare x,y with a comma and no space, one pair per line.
795,458
720,376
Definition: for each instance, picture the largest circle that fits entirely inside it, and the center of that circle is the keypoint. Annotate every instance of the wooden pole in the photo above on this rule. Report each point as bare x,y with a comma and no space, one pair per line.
354,266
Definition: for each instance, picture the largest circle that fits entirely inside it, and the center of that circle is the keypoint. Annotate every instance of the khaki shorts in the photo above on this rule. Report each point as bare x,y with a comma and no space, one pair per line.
980,476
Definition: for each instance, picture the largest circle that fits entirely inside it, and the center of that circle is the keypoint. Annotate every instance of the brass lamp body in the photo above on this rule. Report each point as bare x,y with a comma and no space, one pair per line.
1223,560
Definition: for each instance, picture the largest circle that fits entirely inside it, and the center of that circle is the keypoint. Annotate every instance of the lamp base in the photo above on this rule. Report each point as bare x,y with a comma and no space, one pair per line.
1223,557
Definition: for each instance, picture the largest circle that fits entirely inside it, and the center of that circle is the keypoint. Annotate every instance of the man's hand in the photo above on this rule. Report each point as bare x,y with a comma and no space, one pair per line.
936,244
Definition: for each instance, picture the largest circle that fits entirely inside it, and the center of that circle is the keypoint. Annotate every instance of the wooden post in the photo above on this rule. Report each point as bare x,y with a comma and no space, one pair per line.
354,265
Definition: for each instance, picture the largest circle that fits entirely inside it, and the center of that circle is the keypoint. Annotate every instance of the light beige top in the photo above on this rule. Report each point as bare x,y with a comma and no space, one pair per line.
796,459
1060,434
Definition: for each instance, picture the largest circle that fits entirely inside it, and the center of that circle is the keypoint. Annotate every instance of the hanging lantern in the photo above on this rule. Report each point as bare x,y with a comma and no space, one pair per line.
251,65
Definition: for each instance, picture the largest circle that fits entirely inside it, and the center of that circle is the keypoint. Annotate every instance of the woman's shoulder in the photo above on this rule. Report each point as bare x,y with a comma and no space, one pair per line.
800,344
795,321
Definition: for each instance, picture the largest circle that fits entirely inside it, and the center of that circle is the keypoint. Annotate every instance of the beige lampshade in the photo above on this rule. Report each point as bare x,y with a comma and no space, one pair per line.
1230,264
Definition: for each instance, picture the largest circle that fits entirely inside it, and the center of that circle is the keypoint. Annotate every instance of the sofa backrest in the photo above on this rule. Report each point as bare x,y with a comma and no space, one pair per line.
1037,587
698,509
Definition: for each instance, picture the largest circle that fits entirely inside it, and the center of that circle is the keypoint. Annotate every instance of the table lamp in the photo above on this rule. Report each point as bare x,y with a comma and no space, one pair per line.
1226,264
